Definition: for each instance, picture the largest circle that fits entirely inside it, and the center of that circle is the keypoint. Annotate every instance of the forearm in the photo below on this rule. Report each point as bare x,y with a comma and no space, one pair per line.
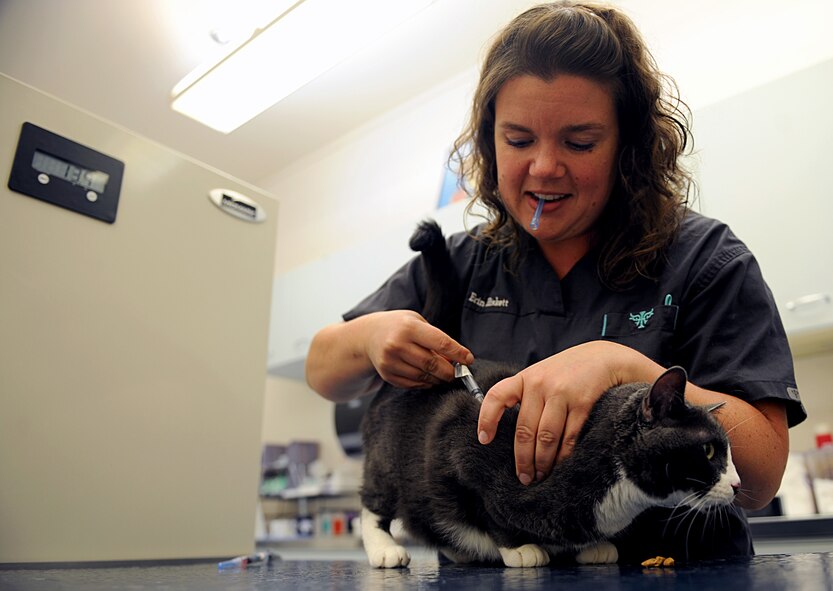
337,366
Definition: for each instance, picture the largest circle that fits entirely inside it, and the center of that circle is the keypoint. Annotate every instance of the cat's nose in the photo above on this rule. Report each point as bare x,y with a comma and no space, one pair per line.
735,487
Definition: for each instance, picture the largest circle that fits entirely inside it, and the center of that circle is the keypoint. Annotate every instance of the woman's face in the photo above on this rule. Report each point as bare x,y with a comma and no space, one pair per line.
556,141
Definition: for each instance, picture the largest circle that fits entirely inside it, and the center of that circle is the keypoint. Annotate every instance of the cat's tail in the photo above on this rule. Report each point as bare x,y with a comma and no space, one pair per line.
443,298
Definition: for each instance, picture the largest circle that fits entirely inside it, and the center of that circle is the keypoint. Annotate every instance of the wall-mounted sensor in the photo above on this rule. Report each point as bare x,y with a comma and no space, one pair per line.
237,204
57,170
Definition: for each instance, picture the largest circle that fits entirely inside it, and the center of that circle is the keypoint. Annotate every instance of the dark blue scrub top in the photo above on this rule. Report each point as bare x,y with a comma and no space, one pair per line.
710,311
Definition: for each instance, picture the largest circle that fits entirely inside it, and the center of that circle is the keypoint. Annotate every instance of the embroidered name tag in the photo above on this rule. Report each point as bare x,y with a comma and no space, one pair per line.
489,302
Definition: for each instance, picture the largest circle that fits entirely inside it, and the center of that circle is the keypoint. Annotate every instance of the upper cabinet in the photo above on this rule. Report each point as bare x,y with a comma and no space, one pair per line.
765,166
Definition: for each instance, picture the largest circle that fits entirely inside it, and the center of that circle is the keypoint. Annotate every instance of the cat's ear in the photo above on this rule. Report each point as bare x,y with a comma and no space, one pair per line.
666,398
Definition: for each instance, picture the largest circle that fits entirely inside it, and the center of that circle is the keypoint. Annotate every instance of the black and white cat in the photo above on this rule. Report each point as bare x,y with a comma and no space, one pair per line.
642,446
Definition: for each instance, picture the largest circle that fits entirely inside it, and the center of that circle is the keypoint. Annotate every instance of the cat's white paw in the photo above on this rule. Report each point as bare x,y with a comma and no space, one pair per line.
382,550
601,553
526,555
389,557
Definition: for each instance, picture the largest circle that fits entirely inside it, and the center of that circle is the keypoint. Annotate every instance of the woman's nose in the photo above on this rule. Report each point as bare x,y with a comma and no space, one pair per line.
547,162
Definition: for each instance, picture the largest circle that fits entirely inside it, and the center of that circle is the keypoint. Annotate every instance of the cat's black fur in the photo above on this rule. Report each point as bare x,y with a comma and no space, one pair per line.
424,465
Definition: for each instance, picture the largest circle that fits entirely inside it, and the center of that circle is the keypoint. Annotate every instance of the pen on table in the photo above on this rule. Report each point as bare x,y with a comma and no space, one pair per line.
244,561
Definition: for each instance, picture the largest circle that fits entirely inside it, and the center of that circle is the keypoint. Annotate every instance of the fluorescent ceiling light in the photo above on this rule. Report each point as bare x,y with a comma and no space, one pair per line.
295,48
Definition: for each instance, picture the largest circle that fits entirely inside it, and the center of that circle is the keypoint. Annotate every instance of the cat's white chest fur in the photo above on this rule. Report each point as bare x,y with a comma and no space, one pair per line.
620,505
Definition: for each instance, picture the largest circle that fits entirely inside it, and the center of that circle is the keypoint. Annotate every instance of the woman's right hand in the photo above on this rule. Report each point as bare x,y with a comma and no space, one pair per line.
399,346
408,352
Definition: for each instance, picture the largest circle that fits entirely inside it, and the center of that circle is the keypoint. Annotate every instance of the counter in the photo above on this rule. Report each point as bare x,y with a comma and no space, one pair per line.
792,535
812,572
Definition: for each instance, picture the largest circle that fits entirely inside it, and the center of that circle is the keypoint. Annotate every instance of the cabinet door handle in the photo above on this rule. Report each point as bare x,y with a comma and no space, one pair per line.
808,300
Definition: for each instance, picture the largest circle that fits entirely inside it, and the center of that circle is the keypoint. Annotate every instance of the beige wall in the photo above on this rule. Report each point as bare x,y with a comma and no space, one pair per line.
384,174
293,412
814,374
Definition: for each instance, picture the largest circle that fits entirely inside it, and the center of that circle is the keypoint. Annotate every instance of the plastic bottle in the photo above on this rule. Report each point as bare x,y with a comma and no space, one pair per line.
823,435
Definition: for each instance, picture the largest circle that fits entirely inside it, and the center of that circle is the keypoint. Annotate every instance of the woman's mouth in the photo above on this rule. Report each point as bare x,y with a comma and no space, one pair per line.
542,201
550,197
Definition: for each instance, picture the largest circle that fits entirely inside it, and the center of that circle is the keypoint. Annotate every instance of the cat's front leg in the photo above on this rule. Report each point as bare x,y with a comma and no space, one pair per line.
526,555
601,553
381,549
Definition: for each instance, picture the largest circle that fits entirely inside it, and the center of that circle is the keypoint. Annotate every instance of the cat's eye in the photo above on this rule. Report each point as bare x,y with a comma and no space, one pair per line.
708,448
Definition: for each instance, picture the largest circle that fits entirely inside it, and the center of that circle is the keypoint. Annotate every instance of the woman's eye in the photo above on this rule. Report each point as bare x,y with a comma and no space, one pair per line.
515,143
708,448
580,147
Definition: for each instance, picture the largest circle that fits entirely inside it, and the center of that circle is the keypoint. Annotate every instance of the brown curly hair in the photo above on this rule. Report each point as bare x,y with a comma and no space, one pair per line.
651,188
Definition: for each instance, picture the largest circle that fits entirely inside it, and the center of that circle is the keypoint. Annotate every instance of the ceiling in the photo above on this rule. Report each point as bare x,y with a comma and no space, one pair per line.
120,59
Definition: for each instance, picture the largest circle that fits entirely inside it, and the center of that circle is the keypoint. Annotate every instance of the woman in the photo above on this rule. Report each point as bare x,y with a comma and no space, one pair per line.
591,271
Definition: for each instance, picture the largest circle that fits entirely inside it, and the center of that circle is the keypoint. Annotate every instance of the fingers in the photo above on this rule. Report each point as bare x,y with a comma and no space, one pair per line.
551,437
410,353
538,434
450,349
546,429
556,396
574,422
418,369
526,432
505,394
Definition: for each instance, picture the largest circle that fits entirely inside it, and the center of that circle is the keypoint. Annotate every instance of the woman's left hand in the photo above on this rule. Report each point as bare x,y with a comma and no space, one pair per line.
556,396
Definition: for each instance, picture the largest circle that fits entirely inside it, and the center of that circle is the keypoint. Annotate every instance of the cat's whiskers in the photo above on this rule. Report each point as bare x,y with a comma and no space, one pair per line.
746,420
718,515
688,511
709,513
694,496
684,514
745,493
723,512
688,535
707,516
694,503
684,509
737,511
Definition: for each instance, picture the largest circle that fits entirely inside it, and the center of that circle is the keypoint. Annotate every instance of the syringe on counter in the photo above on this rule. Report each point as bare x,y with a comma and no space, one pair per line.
255,559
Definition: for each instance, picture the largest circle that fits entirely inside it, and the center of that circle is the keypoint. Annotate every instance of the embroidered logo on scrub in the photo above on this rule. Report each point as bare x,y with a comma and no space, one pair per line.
641,319
659,319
